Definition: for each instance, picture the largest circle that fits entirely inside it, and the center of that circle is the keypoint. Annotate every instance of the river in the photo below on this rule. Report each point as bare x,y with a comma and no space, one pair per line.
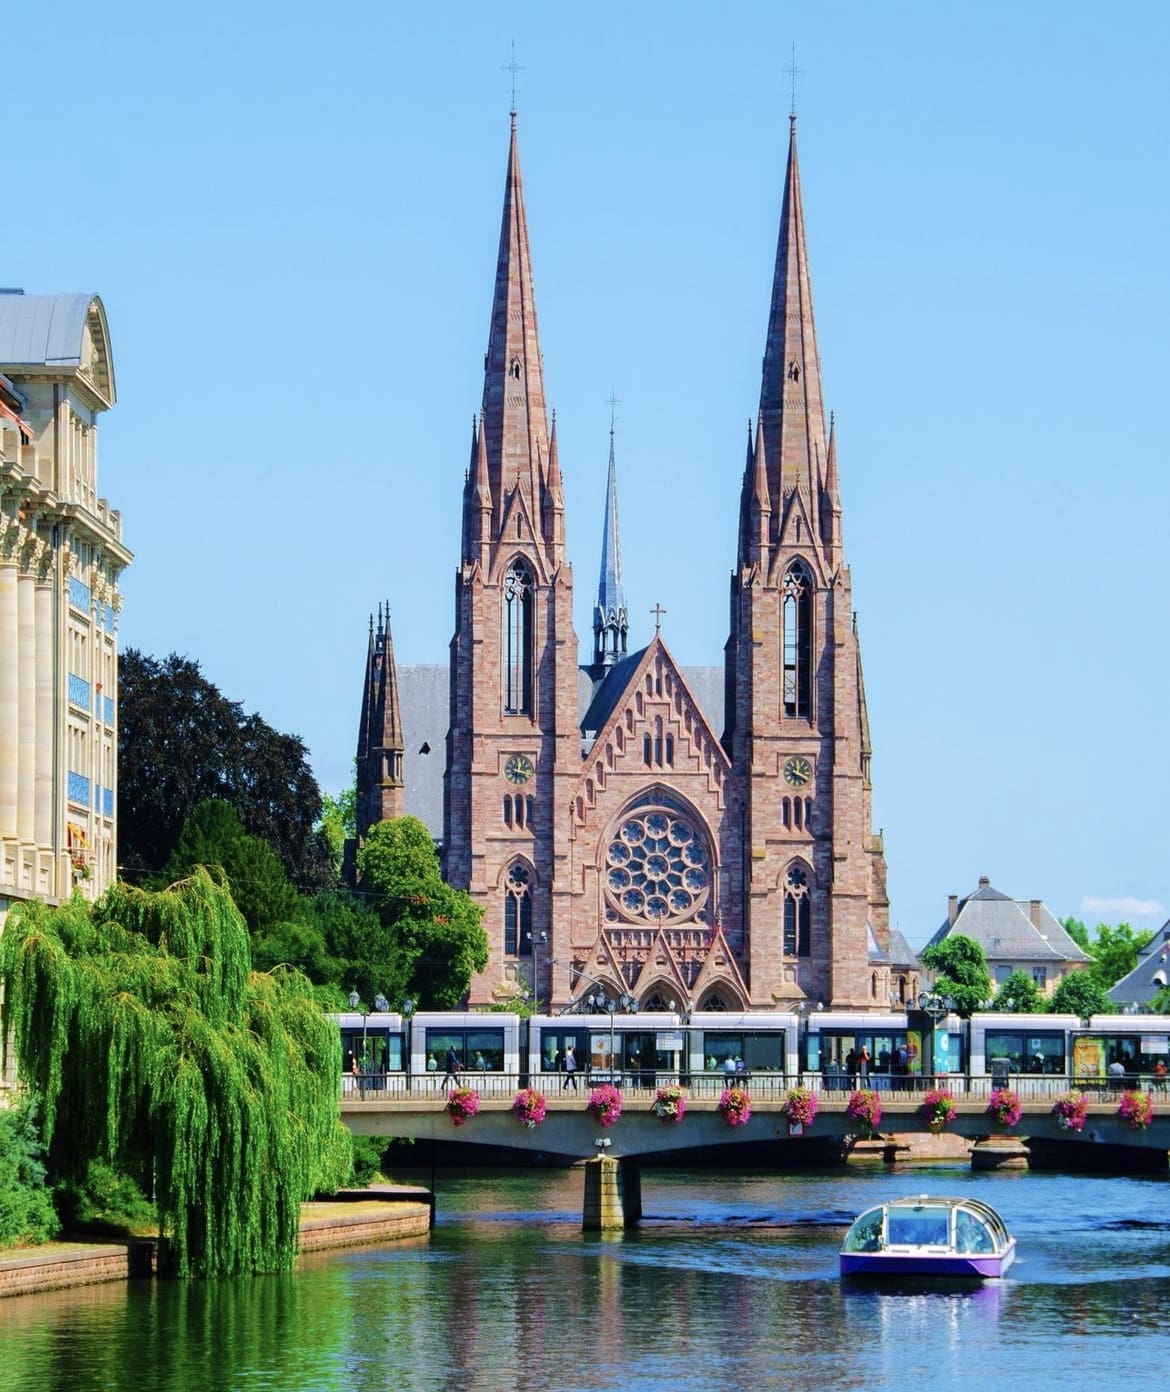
731,1282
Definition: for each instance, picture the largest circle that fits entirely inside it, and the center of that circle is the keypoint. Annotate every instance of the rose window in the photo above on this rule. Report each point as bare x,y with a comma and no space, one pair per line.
657,869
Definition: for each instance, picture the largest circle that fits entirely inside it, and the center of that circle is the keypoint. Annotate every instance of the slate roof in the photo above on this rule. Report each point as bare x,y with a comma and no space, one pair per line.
42,330
1003,928
1150,975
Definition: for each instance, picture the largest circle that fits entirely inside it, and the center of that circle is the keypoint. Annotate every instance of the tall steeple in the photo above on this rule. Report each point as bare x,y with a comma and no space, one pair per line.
611,617
514,409
791,407
380,785
812,895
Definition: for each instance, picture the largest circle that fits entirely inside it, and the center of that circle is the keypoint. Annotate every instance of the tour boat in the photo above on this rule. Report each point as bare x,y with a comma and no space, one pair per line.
928,1236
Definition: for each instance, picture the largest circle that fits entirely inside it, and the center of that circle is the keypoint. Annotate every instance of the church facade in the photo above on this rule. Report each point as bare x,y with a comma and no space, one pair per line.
614,829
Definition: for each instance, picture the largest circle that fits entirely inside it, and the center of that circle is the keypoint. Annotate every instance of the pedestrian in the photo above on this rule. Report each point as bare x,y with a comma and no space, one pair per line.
453,1065
851,1065
863,1064
356,1070
570,1079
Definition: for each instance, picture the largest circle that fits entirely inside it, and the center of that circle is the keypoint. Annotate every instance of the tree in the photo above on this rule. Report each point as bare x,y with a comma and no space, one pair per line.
1019,995
27,1215
156,1048
339,822
960,971
1077,931
180,742
435,932
1080,993
1115,952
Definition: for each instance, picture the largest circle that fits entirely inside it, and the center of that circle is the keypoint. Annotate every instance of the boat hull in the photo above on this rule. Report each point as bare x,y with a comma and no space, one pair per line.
980,1266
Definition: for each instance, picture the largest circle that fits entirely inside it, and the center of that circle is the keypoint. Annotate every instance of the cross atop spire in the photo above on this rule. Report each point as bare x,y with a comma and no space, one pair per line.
513,68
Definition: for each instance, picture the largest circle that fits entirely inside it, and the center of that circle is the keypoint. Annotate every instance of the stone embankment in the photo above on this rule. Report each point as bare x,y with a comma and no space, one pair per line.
356,1217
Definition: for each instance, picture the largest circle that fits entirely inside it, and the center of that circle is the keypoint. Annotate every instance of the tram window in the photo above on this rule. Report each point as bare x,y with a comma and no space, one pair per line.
553,1044
487,1045
764,1052
718,1048
440,1040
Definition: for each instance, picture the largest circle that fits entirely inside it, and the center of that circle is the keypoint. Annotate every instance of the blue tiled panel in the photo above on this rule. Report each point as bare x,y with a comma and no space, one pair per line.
108,616
78,691
108,709
79,595
107,802
77,786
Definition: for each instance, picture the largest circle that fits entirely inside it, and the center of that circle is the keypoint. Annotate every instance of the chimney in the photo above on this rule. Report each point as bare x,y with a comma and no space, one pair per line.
952,909
1034,912
984,882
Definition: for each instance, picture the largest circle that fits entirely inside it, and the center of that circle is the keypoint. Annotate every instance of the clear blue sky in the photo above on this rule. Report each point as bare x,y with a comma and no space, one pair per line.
291,212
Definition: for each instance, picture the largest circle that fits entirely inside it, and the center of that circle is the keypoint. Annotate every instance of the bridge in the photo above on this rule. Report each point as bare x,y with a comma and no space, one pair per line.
570,1133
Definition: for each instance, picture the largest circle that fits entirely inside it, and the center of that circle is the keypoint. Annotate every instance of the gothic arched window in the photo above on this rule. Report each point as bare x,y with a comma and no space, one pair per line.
518,640
797,913
797,640
518,911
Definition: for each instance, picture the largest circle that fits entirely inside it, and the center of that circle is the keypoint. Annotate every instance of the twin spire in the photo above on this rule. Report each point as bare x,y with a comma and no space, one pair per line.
514,466
514,430
792,462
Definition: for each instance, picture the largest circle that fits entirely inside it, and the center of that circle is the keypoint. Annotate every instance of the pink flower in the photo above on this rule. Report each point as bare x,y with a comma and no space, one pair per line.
736,1106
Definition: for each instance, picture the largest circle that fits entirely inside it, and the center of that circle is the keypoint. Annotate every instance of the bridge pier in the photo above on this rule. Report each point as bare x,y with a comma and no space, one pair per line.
613,1195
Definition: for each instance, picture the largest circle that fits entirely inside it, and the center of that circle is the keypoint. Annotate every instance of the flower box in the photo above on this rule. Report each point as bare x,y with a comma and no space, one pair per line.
529,1107
605,1104
462,1104
670,1104
735,1106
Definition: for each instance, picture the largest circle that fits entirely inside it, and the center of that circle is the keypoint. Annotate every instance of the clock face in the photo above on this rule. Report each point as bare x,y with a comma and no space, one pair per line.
518,769
797,770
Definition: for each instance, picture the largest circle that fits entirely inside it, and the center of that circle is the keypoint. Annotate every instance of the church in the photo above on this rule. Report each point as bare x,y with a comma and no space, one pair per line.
696,838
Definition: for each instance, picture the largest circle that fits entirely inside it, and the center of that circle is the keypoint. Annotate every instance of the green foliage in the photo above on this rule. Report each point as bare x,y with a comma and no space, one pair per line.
27,1214
158,1050
960,971
434,932
1115,952
1080,993
180,742
1019,995
368,1159
1077,931
339,822
355,936
105,1199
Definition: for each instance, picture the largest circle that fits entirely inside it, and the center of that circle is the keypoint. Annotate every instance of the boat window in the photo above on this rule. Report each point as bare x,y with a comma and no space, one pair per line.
971,1235
866,1233
919,1227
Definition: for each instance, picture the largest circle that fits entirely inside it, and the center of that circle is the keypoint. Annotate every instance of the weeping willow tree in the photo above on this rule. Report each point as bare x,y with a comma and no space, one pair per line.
156,1047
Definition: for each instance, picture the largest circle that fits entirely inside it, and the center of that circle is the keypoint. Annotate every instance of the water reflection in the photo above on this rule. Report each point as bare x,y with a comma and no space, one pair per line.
732,1282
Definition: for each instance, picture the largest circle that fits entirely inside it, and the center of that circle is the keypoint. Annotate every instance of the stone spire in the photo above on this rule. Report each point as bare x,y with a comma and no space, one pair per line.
515,416
611,617
380,786
791,408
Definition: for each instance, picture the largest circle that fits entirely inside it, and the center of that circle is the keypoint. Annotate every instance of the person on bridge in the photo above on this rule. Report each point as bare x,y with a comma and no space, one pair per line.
570,1078
453,1066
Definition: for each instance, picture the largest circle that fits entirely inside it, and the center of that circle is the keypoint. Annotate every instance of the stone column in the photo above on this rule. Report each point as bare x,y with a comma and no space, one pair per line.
26,731
46,734
9,667
613,1195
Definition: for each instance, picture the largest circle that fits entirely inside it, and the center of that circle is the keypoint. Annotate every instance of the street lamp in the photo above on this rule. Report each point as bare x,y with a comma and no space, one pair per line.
407,1012
936,1006
602,1002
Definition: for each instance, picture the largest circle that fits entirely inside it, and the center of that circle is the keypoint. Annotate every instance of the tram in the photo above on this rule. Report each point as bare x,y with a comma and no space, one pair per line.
391,1051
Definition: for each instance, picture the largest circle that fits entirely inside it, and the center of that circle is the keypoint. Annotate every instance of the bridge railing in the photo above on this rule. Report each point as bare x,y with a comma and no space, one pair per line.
833,1087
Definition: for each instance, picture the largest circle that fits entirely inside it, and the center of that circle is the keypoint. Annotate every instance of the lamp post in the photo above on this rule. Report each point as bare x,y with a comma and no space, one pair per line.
601,1002
936,1007
407,1012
